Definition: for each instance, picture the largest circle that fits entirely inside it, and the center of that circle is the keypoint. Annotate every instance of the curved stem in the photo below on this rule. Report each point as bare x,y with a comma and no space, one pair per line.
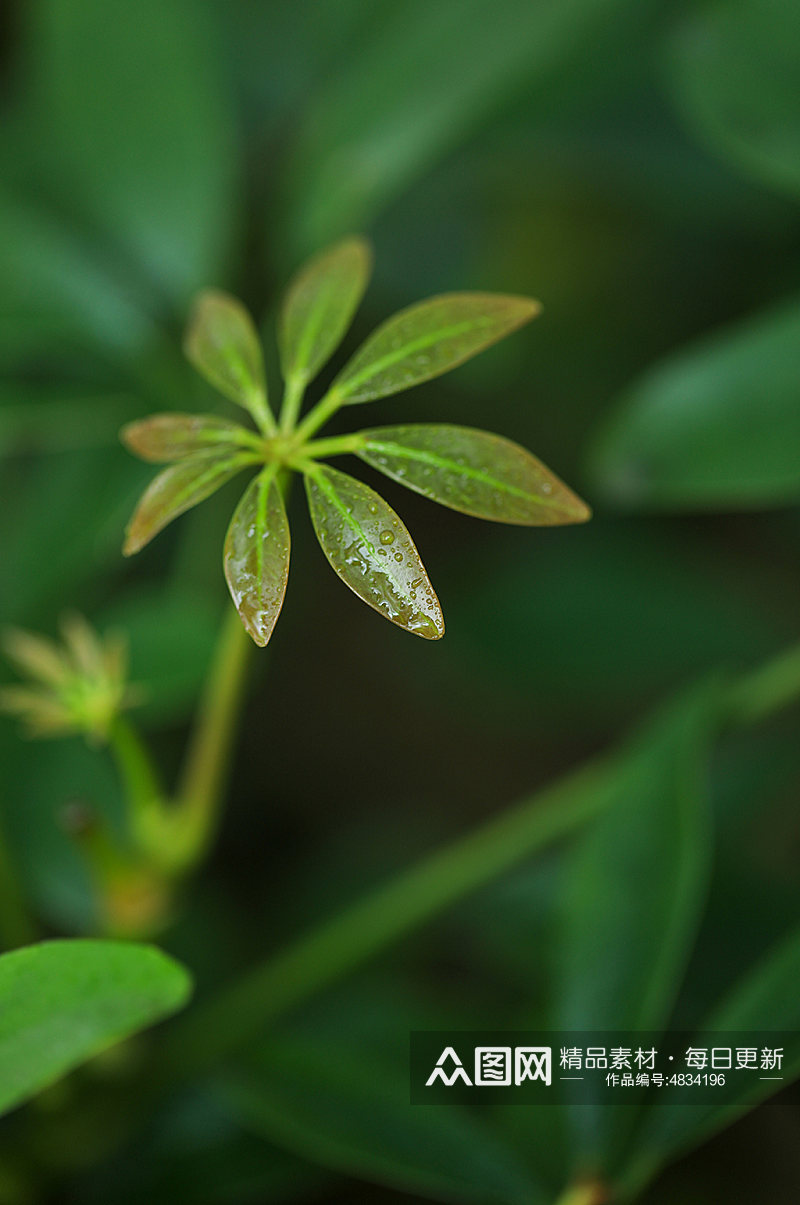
242,1011
136,769
207,759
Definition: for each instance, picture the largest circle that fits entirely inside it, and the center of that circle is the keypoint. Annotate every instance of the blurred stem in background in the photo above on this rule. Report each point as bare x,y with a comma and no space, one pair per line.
242,1011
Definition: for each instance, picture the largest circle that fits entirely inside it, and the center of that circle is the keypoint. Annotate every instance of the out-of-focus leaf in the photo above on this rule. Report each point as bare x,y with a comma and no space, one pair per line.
178,488
348,1109
166,437
637,876
222,343
171,634
411,87
734,71
87,494
319,307
372,552
37,419
634,891
256,555
766,999
715,426
134,117
428,339
63,1001
54,291
473,471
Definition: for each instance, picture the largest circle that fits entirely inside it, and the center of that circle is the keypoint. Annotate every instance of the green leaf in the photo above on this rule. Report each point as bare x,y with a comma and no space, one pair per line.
371,550
221,342
766,999
63,1001
734,73
428,339
166,437
177,489
319,307
474,472
634,891
256,555
717,425
343,1107
154,167
415,85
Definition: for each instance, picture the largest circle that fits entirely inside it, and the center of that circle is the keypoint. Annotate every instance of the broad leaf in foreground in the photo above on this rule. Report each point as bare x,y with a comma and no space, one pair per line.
256,555
319,306
474,472
63,1001
177,489
371,550
166,437
429,339
222,344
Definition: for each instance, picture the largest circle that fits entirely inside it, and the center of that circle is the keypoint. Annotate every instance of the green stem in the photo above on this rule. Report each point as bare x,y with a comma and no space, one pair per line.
292,401
242,1012
206,765
339,445
317,417
758,695
143,789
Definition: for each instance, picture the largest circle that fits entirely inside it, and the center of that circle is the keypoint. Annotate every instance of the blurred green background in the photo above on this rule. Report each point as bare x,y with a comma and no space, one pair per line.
635,165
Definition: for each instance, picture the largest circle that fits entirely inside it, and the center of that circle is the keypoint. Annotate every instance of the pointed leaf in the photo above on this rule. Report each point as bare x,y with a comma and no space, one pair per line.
63,1001
428,339
166,437
319,306
221,342
473,471
256,555
714,425
733,70
177,489
765,999
371,550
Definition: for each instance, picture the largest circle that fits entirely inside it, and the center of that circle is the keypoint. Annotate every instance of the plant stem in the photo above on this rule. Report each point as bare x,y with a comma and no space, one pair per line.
758,695
206,764
292,401
317,417
136,769
338,445
242,1012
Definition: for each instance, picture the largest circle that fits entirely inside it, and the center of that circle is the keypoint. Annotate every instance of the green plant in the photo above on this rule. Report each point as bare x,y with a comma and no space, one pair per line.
364,540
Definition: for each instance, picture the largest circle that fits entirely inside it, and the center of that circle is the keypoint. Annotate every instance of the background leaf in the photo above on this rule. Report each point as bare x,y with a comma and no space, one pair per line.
635,887
63,1001
178,488
319,306
733,70
372,552
416,83
155,167
256,555
474,472
714,426
428,339
764,1000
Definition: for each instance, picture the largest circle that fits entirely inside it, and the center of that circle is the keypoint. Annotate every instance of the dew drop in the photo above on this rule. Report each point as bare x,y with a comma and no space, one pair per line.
387,537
